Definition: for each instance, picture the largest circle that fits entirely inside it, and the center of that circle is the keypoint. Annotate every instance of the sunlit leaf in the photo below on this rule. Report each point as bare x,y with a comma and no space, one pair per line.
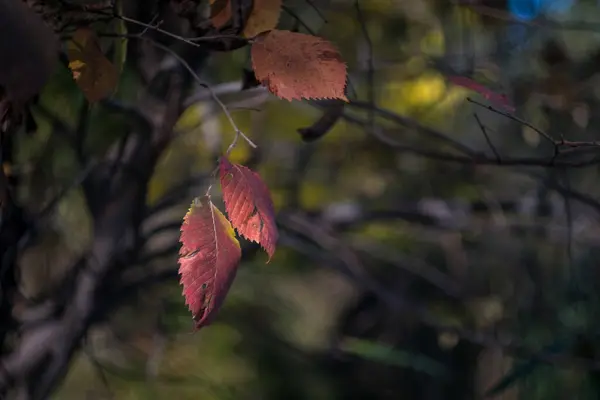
209,257
95,75
264,17
295,66
248,204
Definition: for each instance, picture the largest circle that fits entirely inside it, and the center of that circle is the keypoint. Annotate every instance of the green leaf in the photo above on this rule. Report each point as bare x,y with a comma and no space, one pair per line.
387,355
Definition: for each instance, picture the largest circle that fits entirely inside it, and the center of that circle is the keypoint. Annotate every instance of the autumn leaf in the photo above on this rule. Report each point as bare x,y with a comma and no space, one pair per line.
220,12
497,98
95,75
248,204
209,257
295,66
263,17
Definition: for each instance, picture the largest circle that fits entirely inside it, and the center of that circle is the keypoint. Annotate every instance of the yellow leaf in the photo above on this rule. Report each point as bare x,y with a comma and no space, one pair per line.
264,17
76,64
95,75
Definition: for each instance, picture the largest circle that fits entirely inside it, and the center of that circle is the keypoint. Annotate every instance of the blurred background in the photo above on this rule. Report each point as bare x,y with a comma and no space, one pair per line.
431,247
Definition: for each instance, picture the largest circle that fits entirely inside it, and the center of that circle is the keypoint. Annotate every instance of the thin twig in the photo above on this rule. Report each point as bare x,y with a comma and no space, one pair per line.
205,85
473,157
370,65
219,37
487,138
516,119
411,123
154,28
297,18
314,7
150,25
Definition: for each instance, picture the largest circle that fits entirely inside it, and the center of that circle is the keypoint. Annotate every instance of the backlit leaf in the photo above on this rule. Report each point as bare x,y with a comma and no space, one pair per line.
264,17
95,75
295,66
209,258
248,204
220,12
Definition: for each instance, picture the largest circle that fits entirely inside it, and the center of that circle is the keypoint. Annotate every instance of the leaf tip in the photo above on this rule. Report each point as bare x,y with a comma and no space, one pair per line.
270,254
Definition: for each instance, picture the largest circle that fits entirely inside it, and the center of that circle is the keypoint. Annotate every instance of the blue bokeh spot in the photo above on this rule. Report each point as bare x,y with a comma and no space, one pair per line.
530,9
525,9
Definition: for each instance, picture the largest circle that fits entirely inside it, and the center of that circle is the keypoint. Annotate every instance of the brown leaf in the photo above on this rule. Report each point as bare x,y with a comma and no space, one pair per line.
248,204
263,17
95,75
208,260
295,66
220,12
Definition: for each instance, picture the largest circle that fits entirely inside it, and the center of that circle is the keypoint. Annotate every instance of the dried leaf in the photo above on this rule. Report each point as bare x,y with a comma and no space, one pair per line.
220,12
295,66
95,75
497,98
248,204
263,17
208,260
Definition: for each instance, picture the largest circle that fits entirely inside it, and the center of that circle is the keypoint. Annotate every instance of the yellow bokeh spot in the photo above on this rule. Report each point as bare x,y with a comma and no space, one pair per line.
240,153
423,91
190,118
427,90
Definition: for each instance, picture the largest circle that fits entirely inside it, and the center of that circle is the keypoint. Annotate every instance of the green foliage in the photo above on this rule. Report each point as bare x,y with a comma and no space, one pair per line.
385,354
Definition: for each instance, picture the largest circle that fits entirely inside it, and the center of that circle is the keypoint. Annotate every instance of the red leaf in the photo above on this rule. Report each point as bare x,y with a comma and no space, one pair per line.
248,204
498,98
220,12
208,259
298,66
